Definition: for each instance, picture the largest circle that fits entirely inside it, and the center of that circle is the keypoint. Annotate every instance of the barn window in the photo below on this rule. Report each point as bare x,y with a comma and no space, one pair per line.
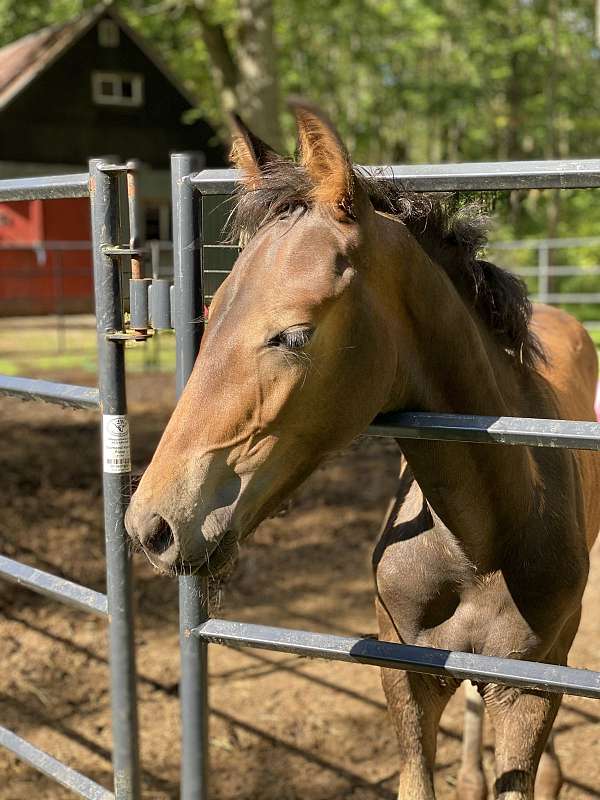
118,88
108,33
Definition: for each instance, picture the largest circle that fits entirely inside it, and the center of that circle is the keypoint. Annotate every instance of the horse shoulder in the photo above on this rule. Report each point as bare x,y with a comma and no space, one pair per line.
572,372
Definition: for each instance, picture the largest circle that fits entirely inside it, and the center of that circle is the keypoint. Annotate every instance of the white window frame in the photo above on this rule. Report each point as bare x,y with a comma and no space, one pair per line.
117,98
108,33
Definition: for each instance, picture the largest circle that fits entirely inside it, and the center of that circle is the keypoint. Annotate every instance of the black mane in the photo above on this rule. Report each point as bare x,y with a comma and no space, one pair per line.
452,236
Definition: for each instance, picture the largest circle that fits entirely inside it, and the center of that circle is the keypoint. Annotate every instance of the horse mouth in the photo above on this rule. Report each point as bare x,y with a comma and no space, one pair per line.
217,565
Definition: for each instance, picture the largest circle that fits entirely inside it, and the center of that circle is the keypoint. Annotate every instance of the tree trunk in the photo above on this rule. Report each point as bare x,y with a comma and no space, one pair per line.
257,60
246,74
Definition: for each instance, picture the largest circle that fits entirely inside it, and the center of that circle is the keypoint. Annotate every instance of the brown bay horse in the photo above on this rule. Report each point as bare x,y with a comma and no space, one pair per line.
352,297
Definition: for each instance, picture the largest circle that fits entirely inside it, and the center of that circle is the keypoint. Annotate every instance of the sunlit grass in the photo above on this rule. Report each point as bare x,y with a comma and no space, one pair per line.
39,348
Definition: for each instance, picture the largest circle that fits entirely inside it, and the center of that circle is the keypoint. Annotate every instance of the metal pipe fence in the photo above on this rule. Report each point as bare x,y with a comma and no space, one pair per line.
200,263
103,186
199,255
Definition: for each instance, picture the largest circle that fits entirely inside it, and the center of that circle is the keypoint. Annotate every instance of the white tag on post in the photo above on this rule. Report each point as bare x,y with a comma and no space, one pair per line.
116,453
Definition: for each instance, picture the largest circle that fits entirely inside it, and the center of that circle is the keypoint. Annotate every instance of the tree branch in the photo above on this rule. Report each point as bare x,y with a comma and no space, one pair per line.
224,64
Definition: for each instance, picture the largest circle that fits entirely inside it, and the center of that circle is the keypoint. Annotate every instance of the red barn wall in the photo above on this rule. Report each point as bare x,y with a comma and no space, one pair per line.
21,222
54,281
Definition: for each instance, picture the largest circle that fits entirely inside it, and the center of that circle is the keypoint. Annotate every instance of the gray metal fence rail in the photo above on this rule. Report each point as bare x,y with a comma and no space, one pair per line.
102,185
201,263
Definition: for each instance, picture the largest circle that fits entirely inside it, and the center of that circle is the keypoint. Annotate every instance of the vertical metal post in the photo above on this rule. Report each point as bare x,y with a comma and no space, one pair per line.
135,221
193,591
106,231
136,234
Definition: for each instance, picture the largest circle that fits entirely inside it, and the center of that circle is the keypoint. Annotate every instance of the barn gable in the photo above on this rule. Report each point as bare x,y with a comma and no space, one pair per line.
94,86
90,87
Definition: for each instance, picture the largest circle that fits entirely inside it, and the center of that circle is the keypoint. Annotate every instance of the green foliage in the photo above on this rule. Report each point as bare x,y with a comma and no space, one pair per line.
406,80
20,18
412,81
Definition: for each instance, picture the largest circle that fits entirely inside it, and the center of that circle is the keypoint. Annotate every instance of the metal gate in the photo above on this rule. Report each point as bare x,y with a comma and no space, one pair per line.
201,263
105,187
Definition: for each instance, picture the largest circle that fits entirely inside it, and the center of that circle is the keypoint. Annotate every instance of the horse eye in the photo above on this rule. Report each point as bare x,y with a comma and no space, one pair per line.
294,338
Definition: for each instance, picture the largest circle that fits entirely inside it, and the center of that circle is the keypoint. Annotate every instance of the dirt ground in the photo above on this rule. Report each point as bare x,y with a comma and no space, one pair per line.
281,728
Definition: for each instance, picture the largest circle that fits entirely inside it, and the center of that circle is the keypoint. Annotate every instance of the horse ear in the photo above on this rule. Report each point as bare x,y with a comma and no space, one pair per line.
250,154
324,156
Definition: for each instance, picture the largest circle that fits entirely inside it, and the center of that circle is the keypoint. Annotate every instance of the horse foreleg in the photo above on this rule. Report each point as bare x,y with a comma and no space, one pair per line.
415,703
471,779
522,721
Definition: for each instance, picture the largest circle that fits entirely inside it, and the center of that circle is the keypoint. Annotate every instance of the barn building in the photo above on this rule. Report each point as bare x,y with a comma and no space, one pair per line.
69,92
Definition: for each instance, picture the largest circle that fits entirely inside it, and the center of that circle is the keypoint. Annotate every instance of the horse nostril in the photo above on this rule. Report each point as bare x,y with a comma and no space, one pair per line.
161,539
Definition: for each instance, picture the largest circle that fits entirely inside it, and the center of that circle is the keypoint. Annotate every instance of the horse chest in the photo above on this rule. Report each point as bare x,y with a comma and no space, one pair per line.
511,603
442,604
435,597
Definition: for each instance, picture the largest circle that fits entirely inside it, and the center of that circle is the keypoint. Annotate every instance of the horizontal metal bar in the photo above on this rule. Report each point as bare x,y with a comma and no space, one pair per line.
50,187
134,336
535,244
216,271
480,177
112,168
67,592
123,250
498,430
428,660
575,298
582,272
59,772
63,394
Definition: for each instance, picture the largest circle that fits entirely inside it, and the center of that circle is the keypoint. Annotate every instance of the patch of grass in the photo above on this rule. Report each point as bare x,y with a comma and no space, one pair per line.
158,353
38,347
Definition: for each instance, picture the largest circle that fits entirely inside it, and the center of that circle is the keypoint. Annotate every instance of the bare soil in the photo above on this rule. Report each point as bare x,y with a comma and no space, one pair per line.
281,728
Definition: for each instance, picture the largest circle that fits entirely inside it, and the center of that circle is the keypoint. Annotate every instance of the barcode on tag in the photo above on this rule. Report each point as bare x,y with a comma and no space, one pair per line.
116,453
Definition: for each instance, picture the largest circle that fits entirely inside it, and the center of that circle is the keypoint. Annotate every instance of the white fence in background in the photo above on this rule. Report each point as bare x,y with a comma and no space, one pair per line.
542,255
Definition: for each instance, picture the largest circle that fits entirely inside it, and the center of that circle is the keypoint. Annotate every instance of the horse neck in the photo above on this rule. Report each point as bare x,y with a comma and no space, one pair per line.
449,362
